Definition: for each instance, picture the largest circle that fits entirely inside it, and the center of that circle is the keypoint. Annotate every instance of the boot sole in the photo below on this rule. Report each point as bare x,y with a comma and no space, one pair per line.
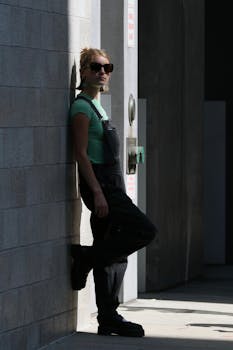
121,332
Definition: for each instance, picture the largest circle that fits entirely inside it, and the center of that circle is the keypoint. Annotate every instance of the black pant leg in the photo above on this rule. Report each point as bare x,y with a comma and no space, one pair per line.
135,229
108,279
124,231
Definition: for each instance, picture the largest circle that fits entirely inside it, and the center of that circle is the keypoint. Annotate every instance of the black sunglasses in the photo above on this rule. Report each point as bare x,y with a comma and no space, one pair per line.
96,67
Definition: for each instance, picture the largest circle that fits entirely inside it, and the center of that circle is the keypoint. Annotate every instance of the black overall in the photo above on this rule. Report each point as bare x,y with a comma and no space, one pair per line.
125,230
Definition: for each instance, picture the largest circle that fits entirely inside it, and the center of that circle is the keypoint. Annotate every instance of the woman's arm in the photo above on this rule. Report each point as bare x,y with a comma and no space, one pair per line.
80,125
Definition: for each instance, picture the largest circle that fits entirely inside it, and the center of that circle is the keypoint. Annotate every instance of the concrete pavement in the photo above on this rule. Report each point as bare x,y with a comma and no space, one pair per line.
198,315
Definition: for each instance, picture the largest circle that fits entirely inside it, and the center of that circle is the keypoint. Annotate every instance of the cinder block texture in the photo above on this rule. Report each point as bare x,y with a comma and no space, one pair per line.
37,5
9,2
39,207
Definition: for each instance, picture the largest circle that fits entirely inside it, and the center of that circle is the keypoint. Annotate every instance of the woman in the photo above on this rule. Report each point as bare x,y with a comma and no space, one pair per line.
119,228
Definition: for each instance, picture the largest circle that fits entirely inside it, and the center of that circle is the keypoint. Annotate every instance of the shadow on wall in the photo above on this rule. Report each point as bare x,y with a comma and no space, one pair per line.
73,82
77,205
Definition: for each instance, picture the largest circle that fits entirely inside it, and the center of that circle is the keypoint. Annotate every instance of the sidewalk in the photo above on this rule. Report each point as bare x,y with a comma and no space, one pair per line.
196,316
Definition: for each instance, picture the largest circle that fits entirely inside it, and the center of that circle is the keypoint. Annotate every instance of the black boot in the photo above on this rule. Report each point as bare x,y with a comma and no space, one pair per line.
120,326
80,266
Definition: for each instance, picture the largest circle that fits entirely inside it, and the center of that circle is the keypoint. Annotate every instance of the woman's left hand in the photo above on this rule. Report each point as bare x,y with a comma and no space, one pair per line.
101,205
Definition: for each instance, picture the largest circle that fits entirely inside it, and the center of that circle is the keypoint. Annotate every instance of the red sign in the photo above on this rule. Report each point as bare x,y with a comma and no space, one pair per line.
131,23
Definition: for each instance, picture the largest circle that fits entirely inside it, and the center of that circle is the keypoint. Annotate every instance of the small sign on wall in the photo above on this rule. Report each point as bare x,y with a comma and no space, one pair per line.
131,23
131,187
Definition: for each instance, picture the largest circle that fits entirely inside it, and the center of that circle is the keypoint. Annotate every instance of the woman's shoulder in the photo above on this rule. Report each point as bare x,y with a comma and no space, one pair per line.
81,106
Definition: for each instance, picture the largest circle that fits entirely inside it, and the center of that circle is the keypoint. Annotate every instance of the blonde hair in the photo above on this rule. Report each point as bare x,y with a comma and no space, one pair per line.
86,56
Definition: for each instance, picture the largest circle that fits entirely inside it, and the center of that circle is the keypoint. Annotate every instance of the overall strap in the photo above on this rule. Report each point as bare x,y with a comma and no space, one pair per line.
91,104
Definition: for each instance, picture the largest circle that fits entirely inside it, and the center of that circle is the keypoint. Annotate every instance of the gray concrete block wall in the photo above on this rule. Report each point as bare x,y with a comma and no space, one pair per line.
39,208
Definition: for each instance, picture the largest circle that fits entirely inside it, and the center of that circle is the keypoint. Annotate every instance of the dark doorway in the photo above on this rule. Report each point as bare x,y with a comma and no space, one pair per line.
219,87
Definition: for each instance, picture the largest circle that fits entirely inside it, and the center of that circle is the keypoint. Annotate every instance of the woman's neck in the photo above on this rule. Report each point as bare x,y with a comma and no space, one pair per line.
91,91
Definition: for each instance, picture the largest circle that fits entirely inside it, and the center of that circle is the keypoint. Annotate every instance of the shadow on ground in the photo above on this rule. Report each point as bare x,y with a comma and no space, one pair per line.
90,341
